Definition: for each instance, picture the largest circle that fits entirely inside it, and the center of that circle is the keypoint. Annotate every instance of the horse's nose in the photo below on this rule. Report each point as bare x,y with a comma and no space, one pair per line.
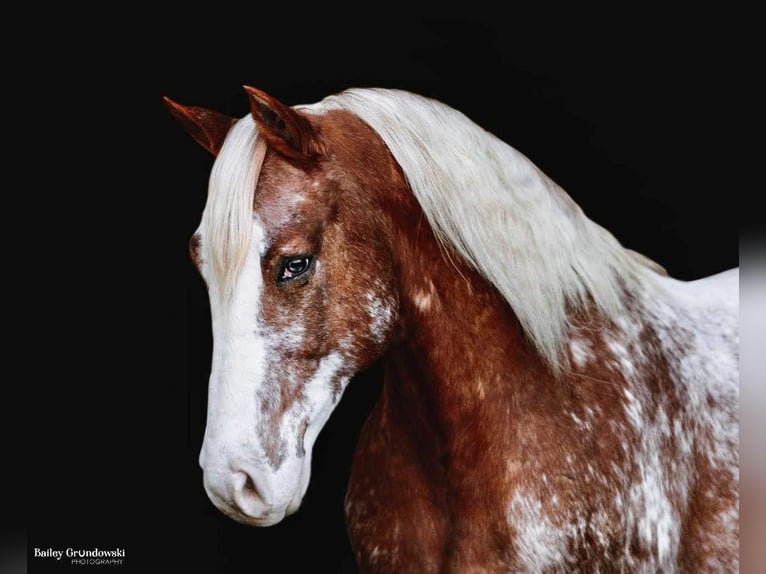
239,490
250,495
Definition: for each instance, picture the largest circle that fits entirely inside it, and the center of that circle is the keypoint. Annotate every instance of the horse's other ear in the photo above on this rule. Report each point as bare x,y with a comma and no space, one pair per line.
283,128
207,127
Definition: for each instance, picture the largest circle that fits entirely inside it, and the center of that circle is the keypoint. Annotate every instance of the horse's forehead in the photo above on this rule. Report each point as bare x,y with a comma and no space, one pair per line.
278,179
286,195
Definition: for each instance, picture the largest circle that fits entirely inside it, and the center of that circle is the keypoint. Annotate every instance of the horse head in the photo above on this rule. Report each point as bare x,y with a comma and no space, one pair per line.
301,290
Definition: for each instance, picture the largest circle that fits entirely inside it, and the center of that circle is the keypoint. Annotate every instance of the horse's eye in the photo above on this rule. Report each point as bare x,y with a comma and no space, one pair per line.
293,268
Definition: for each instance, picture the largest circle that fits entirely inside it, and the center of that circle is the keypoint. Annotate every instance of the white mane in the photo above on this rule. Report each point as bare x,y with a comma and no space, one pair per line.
503,215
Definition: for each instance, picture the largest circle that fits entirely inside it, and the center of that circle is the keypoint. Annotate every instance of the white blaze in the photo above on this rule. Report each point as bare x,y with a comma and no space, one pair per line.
238,366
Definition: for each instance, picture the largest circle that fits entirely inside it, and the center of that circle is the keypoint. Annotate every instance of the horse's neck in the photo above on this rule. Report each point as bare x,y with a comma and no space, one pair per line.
461,359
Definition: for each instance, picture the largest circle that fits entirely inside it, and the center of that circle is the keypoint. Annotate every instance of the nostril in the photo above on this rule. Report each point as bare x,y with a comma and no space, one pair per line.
247,494
249,491
248,488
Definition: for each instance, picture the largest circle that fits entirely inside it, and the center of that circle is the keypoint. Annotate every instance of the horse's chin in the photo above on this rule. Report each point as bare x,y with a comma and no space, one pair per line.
270,518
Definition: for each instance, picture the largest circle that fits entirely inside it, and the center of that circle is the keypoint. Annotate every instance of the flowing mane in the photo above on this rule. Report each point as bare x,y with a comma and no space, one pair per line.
501,213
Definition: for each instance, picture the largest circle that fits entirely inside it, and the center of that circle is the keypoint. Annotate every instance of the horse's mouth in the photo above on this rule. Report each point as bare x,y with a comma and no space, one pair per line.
268,520
268,517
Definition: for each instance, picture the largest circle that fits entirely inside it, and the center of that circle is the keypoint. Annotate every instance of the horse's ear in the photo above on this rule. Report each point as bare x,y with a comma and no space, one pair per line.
208,127
283,128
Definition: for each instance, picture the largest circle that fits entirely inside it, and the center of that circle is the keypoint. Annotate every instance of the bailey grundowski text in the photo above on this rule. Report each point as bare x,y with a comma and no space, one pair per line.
79,553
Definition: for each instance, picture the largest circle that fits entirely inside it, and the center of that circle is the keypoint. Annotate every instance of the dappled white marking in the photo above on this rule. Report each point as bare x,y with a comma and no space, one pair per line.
581,350
422,301
424,297
624,359
634,410
539,544
380,313
582,424
656,520
697,336
706,311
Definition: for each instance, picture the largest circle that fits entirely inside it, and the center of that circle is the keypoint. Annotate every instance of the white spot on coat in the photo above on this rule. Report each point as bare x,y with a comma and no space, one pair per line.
380,313
539,544
423,298
581,350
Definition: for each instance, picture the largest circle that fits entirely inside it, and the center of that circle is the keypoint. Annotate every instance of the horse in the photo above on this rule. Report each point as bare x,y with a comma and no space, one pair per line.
552,400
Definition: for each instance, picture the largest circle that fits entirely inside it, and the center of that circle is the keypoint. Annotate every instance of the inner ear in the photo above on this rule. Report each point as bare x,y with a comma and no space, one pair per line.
285,129
276,125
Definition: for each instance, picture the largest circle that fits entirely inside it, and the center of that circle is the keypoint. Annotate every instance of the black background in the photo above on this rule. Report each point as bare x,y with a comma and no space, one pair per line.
636,115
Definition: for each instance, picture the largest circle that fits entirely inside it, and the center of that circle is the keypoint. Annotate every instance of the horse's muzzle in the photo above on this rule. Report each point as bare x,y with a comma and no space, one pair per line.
243,495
